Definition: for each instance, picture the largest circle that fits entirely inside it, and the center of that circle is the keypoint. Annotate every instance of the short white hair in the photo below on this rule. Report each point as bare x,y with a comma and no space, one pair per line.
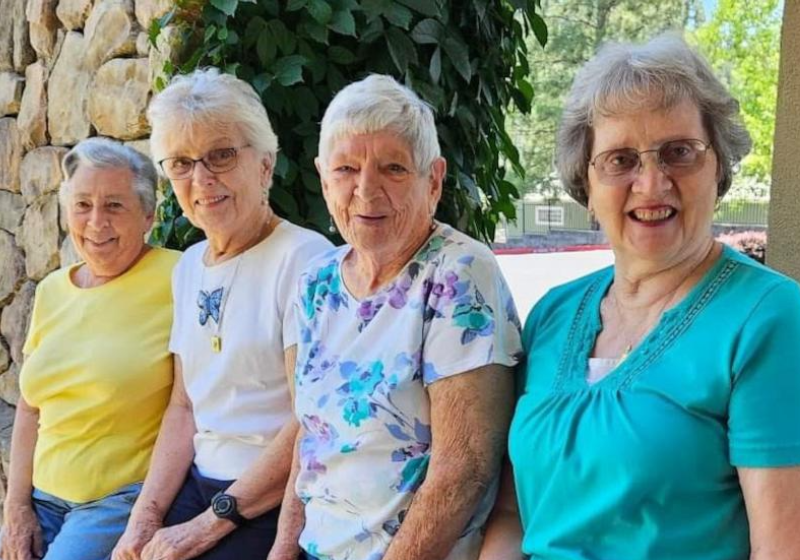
379,103
102,153
212,99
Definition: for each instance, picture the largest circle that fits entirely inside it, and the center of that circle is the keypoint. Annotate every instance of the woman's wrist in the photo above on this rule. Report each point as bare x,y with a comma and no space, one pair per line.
17,510
15,502
146,514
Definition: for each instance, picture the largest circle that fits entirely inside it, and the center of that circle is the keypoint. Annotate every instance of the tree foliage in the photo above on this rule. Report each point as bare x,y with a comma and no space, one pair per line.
577,29
467,58
742,41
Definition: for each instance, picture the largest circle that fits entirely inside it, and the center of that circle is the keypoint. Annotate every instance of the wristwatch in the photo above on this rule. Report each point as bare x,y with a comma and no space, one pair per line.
224,506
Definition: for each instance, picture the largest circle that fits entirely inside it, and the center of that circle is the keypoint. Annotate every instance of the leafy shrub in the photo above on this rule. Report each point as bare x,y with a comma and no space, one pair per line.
467,58
751,243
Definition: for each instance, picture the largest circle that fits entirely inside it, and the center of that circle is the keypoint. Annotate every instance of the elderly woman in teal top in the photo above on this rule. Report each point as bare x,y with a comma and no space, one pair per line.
659,410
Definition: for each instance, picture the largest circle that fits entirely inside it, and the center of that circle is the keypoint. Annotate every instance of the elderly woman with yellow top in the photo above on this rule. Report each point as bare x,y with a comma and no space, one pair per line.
224,452
403,382
659,409
98,373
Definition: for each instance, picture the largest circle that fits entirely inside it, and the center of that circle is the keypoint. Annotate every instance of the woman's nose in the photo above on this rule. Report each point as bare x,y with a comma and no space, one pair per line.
650,177
201,175
98,218
368,182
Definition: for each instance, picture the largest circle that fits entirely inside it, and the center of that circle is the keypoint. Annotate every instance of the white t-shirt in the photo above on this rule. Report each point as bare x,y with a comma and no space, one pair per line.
239,393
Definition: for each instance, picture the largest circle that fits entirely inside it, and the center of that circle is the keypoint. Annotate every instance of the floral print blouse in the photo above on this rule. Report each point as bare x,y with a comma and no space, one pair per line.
362,371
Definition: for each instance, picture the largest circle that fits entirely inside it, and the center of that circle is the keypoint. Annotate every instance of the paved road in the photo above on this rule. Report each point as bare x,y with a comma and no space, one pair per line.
530,276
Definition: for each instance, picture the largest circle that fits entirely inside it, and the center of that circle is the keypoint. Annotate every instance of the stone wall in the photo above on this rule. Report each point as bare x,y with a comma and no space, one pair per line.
69,69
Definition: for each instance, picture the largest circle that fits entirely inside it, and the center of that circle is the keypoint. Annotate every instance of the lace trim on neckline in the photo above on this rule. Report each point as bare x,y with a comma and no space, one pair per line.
674,322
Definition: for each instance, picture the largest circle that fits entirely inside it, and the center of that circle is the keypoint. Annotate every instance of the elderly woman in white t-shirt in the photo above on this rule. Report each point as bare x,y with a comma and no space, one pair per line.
224,452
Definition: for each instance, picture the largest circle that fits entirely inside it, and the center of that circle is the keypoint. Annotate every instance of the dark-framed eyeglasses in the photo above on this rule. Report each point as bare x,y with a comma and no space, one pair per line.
676,158
216,161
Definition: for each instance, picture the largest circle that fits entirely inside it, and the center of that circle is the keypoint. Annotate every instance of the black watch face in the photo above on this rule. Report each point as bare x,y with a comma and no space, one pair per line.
224,505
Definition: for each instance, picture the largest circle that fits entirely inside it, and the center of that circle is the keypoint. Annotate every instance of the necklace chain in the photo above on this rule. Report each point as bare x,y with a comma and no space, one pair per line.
641,327
216,337
261,234
644,326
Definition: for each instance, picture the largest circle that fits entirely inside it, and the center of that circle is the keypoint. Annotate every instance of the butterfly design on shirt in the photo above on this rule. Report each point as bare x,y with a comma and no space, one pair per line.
209,304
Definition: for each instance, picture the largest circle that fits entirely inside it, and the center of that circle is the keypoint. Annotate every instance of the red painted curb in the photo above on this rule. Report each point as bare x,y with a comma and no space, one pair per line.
565,249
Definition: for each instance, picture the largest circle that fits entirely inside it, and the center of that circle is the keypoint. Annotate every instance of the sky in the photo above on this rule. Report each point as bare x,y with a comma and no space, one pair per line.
708,7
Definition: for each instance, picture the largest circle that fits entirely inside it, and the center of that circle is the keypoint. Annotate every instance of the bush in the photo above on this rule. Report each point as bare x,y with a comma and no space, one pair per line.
751,243
467,58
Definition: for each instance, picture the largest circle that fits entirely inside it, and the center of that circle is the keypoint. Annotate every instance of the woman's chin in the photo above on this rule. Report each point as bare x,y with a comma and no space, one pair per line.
217,225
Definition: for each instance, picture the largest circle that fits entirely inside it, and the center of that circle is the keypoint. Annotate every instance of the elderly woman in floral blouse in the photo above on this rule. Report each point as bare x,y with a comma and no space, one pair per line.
408,336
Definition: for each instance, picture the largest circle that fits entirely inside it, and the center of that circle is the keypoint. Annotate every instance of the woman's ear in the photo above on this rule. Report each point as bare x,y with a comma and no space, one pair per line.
438,173
320,171
267,168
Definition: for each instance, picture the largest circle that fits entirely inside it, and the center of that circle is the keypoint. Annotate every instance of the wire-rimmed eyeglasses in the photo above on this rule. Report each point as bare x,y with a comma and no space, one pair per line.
676,158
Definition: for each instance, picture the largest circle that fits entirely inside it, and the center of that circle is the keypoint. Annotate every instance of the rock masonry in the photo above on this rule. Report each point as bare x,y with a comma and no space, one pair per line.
69,69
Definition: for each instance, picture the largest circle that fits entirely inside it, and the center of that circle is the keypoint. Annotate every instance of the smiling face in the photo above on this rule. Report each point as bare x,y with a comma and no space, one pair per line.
654,217
381,203
221,204
105,219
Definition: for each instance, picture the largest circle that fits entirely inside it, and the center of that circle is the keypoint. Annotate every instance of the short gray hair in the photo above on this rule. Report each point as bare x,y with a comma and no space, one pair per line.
379,103
625,77
209,98
102,153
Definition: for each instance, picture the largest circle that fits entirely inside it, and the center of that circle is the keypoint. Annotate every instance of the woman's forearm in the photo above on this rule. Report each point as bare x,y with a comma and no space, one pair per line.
470,414
292,518
172,457
438,515
23,444
261,487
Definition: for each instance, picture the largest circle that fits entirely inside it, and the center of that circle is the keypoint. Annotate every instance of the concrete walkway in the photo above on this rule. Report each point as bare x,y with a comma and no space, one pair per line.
530,276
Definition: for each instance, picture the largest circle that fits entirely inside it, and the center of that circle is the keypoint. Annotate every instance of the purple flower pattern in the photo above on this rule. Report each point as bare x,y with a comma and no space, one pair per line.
362,369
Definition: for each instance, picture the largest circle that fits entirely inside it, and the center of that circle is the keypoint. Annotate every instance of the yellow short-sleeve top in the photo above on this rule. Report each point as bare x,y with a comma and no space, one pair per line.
99,371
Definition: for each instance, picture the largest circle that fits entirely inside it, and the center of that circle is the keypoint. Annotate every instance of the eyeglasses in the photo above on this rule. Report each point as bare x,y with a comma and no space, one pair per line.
676,158
216,161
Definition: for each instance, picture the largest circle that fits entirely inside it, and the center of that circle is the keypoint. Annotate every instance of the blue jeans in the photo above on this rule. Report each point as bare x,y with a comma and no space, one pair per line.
88,531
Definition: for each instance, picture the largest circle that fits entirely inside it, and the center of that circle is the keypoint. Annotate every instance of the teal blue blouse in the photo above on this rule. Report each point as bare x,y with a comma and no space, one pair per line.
642,465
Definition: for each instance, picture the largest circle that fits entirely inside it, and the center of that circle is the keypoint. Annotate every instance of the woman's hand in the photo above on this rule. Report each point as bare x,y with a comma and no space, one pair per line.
22,535
137,534
187,540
